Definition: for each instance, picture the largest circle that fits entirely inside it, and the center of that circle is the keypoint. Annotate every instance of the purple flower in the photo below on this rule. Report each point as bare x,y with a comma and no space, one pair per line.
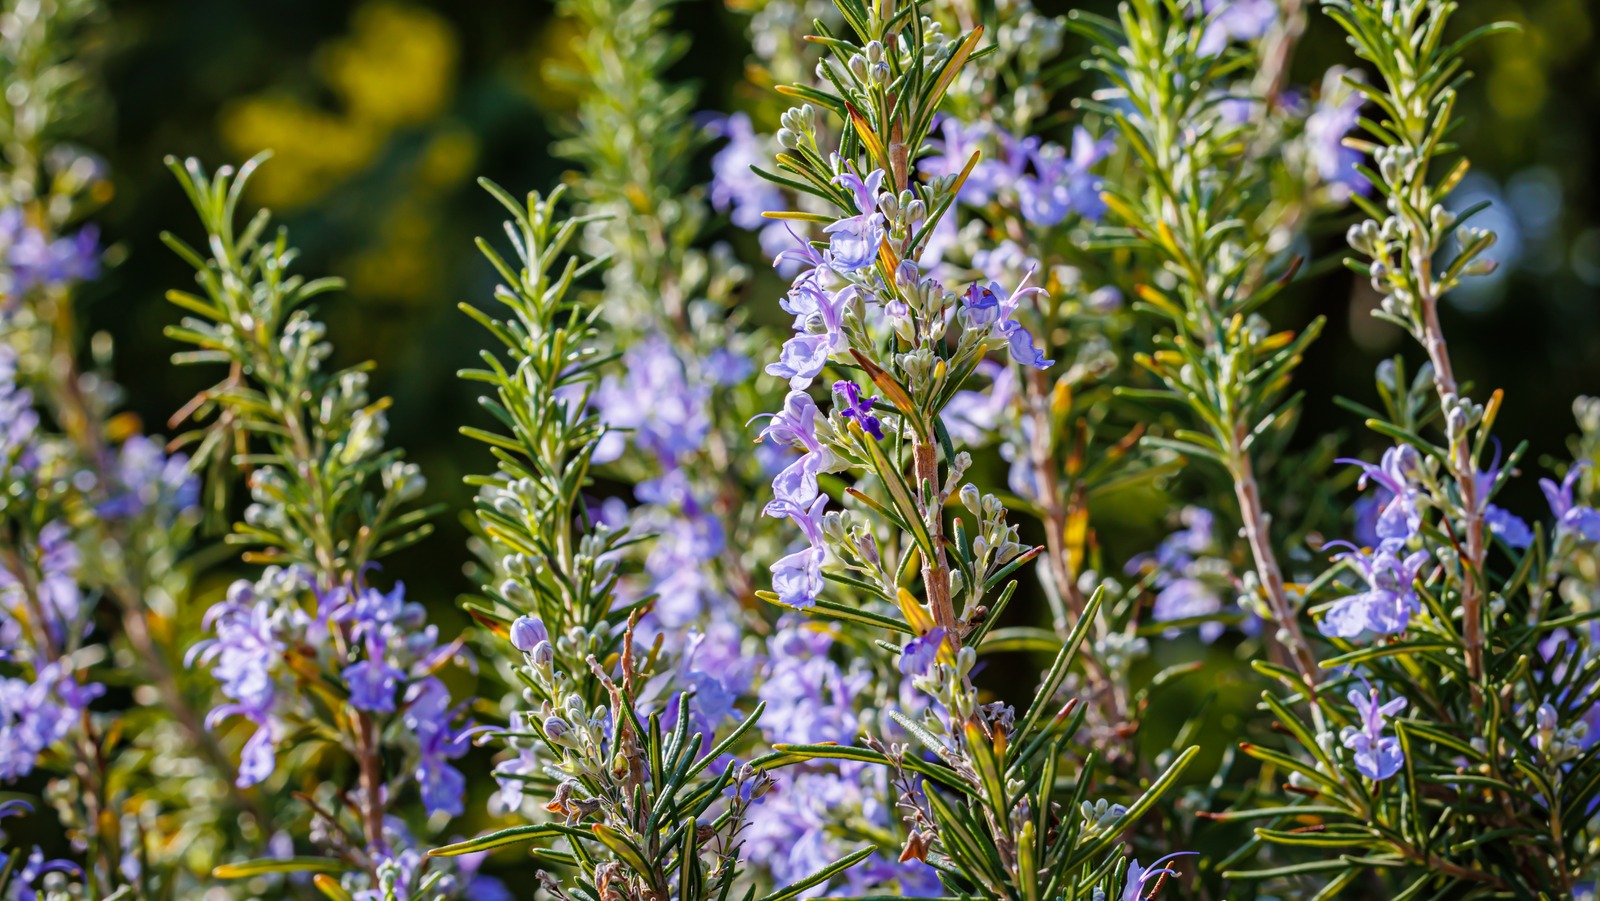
819,319
851,405
1388,604
1377,756
243,656
19,422
38,261
1187,598
972,417
667,413
920,653
1139,878
52,563
428,716
35,715
1510,527
1236,20
854,241
25,884
734,185
373,680
1570,516
982,308
688,539
1336,115
809,697
1064,185
795,425
514,773
993,174
797,578
258,757
149,479
1399,517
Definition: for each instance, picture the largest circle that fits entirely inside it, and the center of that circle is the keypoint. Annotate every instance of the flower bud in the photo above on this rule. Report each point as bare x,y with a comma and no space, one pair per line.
528,631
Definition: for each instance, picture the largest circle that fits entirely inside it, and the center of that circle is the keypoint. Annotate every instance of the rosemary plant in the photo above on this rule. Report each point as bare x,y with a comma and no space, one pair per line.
319,664
986,813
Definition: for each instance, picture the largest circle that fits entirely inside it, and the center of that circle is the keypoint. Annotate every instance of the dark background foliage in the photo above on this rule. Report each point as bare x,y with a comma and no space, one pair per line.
382,113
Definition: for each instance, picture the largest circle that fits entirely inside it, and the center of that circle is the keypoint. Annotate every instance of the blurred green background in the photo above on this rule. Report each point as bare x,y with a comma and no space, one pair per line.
381,113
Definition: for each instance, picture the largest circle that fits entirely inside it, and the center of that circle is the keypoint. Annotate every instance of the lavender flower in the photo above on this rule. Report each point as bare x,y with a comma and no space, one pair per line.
809,697
428,716
1377,756
19,423
1236,20
854,240
797,578
1388,604
851,405
819,319
920,653
796,426
982,308
38,261
734,186
666,412
1571,517
1399,517
52,563
1064,185
244,656
31,877
36,714
147,479
1336,115
373,680
1512,529
1139,878
1182,569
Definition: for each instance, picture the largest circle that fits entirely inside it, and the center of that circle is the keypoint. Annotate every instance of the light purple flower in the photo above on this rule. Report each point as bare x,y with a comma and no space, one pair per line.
1388,604
1236,20
1400,516
853,241
920,653
819,317
667,413
37,261
1336,115
734,185
1186,598
1139,877
428,716
1377,756
1512,529
25,884
19,422
36,714
148,479
1064,185
373,680
982,308
1570,516
809,697
797,578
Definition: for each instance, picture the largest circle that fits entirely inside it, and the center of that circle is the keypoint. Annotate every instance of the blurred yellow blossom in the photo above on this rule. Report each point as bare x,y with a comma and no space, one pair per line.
395,69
